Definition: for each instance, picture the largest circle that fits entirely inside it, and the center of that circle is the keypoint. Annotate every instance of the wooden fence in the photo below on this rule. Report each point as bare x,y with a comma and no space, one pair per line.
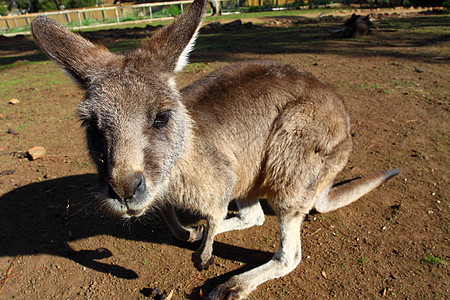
85,17
107,15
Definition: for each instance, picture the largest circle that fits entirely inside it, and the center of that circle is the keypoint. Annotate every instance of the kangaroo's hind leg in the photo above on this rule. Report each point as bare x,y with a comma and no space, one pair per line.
286,258
298,167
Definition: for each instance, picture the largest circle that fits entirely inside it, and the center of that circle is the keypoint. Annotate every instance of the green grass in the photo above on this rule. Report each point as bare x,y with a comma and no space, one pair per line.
267,239
14,64
175,10
11,84
433,260
311,38
269,14
368,86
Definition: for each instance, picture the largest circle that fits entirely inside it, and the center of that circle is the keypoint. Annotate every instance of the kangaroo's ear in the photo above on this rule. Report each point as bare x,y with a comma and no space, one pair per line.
169,47
73,53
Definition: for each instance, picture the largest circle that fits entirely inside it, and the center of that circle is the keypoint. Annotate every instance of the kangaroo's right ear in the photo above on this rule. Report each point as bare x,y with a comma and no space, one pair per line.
73,53
168,48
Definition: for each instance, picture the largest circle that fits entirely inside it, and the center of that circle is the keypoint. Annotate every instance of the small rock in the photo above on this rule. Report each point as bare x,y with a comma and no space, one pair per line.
156,291
14,101
418,70
36,152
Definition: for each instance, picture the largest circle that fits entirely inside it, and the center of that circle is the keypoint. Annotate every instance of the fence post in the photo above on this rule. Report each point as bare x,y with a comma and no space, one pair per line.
79,18
117,15
66,15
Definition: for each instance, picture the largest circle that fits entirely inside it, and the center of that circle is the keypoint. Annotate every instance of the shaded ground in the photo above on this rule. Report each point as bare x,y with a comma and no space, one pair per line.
392,243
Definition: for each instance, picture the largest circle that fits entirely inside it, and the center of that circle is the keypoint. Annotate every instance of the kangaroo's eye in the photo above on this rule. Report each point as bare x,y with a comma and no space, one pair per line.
161,119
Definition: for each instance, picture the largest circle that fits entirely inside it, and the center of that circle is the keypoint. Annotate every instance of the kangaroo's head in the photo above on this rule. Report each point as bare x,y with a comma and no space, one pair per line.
136,125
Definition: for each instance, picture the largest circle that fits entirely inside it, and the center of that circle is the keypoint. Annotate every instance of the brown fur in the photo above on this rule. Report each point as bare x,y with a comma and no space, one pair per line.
248,131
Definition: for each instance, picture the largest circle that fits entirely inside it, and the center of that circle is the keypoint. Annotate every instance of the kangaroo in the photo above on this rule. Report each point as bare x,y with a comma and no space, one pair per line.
251,130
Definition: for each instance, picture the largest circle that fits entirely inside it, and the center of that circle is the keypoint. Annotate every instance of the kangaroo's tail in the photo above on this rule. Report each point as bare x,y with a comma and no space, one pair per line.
347,192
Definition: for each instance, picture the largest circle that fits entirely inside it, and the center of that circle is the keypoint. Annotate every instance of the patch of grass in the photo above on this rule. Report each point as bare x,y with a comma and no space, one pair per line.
14,64
128,19
150,248
433,260
52,82
362,261
405,84
11,84
267,239
191,66
275,13
172,11
22,127
368,86
4,84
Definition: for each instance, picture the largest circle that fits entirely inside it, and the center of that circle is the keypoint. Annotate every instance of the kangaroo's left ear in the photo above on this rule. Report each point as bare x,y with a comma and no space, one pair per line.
168,48
73,53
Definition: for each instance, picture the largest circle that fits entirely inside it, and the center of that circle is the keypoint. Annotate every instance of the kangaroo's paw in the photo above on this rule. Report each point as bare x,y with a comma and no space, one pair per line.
228,291
196,234
201,263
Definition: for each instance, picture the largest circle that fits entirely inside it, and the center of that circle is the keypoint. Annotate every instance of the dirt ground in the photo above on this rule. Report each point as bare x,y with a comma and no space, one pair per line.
392,243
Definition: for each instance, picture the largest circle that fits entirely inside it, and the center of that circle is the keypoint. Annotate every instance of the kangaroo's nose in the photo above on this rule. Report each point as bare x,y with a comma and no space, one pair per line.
126,189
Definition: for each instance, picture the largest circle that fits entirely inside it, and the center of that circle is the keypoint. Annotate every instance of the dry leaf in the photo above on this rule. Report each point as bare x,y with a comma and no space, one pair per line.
169,296
323,273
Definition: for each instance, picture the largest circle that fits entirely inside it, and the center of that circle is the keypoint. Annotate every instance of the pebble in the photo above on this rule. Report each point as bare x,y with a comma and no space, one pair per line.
14,101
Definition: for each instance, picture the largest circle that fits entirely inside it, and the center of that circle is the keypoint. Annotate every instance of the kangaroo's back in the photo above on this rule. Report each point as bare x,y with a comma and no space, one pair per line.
242,109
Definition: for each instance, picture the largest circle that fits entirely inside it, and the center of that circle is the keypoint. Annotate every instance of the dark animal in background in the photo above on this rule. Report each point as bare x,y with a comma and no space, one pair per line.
248,131
355,26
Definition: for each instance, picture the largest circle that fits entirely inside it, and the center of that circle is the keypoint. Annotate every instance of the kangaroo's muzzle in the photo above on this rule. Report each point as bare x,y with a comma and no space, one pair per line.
130,193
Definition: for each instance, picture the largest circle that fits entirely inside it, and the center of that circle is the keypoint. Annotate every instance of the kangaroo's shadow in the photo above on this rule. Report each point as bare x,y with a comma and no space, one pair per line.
251,258
42,218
